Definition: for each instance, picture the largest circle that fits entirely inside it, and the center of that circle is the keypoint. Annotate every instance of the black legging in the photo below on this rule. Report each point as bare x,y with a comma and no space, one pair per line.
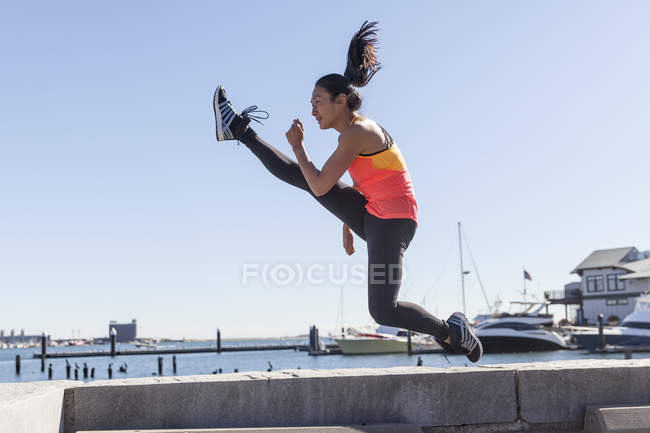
387,239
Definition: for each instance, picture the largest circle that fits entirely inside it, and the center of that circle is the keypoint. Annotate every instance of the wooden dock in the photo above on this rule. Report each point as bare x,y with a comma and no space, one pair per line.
174,351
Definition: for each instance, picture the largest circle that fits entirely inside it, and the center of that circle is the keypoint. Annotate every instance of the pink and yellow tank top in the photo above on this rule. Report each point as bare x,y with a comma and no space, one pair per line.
383,178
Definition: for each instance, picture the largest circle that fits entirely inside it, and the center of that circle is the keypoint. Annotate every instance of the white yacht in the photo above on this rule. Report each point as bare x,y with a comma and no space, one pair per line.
520,332
370,339
634,330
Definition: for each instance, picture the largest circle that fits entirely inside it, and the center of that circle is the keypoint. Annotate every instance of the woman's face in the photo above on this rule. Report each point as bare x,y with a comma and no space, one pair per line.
324,109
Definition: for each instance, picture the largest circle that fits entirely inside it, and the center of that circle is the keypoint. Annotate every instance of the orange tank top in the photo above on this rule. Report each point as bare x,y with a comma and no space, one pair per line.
383,178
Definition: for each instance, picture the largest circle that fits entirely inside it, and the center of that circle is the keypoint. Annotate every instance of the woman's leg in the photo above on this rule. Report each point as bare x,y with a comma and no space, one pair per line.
387,240
345,202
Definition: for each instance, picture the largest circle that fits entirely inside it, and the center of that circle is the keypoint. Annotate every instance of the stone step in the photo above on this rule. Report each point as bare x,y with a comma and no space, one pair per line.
377,428
617,419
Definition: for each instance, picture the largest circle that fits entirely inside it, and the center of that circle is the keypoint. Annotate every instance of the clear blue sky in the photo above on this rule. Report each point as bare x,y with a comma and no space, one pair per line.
527,121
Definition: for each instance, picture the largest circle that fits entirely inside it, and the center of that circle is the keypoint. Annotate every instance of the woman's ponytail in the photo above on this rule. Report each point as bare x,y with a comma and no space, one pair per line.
362,55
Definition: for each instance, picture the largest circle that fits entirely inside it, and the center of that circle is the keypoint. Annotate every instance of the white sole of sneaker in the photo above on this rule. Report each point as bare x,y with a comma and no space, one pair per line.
217,114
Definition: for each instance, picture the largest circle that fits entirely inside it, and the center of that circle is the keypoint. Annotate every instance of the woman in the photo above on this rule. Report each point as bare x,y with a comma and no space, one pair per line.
381,207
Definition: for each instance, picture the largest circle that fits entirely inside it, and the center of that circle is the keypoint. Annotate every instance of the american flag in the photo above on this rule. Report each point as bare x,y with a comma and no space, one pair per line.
527,276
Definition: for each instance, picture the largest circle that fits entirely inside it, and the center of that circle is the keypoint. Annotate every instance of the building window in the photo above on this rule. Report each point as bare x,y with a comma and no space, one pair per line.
595,283
614,283
611,282
620,301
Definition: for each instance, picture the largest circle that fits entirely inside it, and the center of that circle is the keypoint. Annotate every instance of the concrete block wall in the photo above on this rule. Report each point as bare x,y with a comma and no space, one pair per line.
544,397
560,390
417,395
33,407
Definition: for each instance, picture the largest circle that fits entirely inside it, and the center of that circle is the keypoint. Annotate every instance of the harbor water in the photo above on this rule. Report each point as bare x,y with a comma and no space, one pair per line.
211,362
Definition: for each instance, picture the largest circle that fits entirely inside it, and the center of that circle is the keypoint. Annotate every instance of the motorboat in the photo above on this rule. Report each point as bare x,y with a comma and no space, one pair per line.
634,330
520,332
145,343
370,339
530,315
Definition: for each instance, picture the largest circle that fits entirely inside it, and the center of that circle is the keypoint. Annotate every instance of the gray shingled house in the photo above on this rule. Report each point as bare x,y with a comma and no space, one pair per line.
611,280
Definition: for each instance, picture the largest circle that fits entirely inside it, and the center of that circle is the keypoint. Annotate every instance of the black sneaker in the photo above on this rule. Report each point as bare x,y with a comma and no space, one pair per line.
230,124
463,338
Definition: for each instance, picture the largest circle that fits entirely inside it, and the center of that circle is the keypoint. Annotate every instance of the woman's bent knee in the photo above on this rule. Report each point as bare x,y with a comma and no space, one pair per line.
383,314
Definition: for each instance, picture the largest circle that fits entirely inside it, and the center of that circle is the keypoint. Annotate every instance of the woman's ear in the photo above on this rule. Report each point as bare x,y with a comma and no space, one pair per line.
341,99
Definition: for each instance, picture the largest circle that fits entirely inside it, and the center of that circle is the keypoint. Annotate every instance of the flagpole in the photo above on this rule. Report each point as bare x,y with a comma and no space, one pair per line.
524,274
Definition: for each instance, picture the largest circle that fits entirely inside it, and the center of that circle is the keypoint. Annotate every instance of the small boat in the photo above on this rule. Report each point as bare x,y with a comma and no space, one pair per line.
634,330
370,339
147,344
520,332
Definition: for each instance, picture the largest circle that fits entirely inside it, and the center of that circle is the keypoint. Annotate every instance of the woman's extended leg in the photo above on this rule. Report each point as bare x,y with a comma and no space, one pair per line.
345,202
387,240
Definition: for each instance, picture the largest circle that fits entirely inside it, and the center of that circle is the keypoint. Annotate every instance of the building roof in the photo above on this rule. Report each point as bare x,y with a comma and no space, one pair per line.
639,268
611,258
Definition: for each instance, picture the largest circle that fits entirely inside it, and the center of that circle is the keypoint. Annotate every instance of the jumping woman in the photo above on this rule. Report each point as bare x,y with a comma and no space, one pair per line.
380,207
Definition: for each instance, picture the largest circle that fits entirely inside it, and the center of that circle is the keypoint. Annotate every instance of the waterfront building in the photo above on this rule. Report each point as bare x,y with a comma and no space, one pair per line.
12,338
126,332
611,280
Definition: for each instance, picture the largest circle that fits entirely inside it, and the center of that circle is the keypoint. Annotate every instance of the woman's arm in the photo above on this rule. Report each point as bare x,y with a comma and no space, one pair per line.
348,240
351,143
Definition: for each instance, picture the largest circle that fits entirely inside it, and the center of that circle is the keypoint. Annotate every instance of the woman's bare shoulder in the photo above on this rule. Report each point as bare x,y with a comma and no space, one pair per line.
367,131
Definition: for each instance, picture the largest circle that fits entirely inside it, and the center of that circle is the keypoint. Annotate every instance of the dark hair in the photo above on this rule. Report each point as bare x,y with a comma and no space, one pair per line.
361,66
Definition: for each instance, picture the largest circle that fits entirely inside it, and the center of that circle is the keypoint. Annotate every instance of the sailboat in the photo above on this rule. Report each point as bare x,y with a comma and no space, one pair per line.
378,339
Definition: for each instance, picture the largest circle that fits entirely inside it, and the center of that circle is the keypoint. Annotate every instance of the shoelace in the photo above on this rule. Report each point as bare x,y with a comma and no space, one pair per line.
248,113
445,348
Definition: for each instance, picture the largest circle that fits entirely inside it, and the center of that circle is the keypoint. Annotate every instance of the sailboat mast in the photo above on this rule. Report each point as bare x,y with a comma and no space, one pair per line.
342,326
462,269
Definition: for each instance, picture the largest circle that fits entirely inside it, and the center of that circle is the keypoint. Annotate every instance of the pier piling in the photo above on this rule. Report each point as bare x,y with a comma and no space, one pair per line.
110,370
218,340
314,343
160,366
113,338
601,335
174,363
67,369
92,372
43,351
49,371
85,371
409,349
17,364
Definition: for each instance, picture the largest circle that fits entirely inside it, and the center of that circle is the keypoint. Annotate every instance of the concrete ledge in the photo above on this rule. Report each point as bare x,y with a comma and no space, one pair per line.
617,419
415,395
32,407
384,428
541,397
559,391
